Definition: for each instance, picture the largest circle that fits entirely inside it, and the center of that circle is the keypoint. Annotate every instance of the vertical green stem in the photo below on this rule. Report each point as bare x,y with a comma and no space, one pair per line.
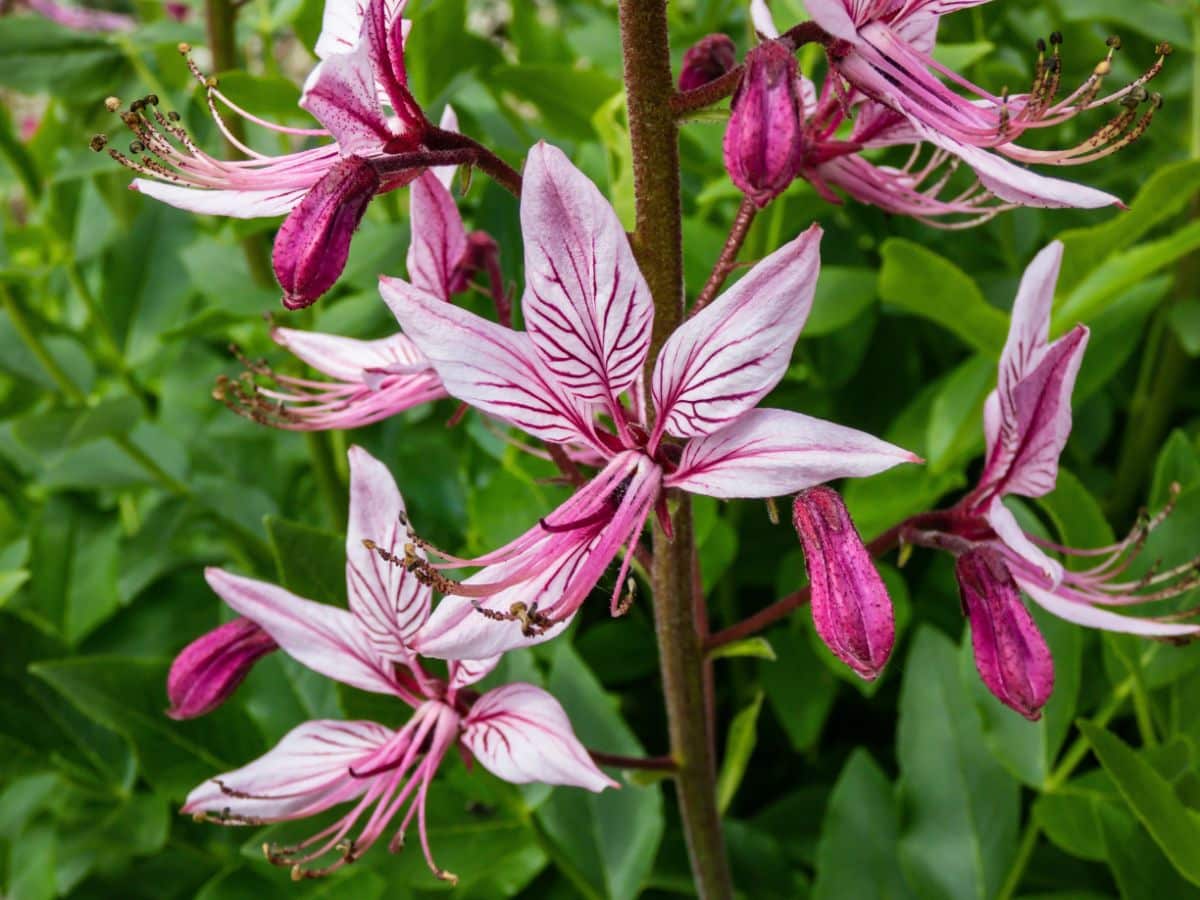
16,315
320,450
658,243
1165,364
221,22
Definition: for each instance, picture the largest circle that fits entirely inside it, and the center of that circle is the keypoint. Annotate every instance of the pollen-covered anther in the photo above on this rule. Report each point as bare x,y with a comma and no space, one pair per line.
448,877
627,598
112,104
98,142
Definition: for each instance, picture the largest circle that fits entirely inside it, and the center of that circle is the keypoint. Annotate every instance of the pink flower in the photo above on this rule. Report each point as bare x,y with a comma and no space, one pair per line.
1027,420
883,49
358,92
588,315
80,18
518,732
1010,653
765,141
850,605
922,188
209,669
708,59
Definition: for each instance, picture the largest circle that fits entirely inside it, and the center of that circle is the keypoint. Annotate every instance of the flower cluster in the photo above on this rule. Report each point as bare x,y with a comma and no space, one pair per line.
884,89
629,432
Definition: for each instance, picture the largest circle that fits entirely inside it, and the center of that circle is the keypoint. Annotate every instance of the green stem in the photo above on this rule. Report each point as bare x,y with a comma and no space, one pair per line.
658,243
1075,754
30,339
1165,365
110,348
320,451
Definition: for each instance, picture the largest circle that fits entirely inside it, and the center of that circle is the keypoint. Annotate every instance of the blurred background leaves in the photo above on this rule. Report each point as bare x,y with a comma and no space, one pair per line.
121,478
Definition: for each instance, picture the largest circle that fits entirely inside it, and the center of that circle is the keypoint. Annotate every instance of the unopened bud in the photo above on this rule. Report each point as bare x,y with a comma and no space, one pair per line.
850,604
211,667
314,241
707,60
1010,653
764,141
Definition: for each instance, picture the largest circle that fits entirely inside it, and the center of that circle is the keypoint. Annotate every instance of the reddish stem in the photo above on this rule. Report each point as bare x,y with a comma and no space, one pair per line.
727,261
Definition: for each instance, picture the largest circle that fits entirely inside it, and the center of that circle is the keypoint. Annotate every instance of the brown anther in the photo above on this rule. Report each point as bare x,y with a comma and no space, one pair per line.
1156,100
152,99
173,116
1056,38
184,48
137,147
772,511
297,872
211,81
98,142
1164,49
627,600
1114,42
268,852
112,104
1041,45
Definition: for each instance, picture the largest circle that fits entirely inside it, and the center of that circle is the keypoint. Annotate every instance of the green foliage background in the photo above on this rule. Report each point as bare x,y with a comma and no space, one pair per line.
122,478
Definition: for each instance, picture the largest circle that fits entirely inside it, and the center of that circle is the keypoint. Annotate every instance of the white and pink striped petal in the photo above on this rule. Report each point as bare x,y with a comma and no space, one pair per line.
772,452
521,734
322,637
728,356
488,366
439,240
586,305
389,601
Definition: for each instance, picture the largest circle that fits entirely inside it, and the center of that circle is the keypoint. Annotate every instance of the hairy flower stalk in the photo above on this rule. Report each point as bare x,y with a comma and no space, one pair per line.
518,731
575,378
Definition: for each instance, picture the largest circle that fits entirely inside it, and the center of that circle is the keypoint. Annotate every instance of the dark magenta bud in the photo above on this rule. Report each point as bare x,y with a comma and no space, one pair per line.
1010,653
210,668
314,241
707,60
764,141
850,604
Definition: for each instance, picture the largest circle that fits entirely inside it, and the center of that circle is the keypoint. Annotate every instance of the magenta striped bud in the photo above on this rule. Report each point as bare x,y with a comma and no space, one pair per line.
210,668
764,141
706,60
314,241
1010,653
850,605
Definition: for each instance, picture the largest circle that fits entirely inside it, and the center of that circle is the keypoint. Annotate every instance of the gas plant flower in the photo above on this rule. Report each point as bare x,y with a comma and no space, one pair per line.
924,187
81,18
369,380
883,48
1027,420
518,731
358,92
574,377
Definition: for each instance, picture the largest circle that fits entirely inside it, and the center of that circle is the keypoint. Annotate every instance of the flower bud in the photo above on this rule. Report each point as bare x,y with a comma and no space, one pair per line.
211,667
764,141
314,240
707,60
850,605
1010,653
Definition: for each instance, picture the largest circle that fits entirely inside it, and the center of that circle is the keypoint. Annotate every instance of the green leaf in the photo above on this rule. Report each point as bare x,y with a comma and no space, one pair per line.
858,852
843,294
53,431
612,124
1077,517
1071,818
38,56
920,282
960,808
800,688
1140,869
311,562
756,647
129,696
1164,194
1174,828
1178,463
610,838
955,430
1121,272
1028,749
568,96
739,746
962,56
1184,319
